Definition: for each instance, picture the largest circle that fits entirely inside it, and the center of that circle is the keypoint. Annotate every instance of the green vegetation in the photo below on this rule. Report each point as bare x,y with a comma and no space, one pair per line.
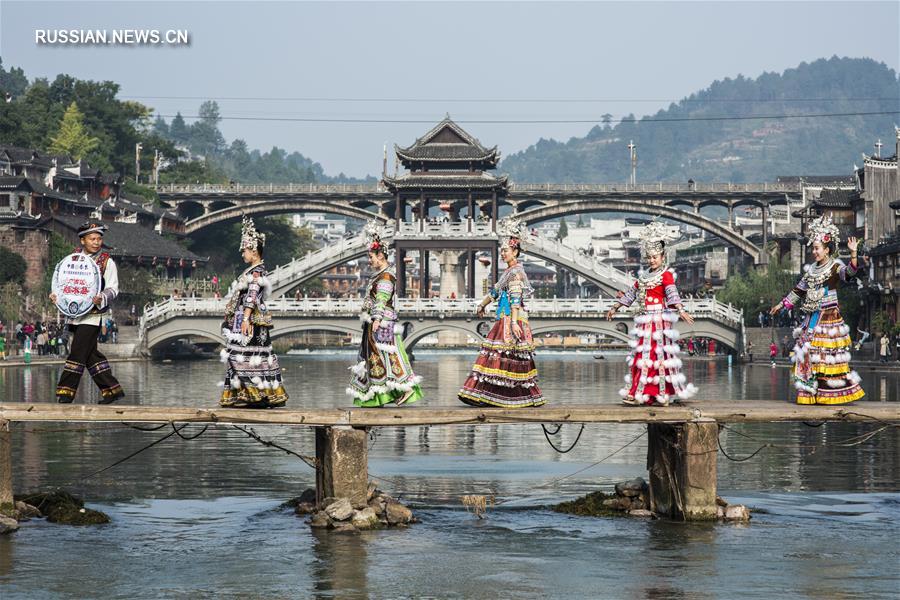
734,150
220,242
85,120
758,290
12,266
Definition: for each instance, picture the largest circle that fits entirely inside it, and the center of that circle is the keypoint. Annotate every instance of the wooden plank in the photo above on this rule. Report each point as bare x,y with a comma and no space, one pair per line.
723,412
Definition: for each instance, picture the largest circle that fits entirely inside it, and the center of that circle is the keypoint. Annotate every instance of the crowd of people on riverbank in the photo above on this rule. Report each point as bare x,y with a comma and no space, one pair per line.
50,339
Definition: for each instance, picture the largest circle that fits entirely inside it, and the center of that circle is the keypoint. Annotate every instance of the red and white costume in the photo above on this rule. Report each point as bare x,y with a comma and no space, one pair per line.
655,375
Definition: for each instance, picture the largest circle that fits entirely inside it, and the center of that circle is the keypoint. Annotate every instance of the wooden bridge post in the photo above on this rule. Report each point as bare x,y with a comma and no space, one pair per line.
342,469
682,460
6,487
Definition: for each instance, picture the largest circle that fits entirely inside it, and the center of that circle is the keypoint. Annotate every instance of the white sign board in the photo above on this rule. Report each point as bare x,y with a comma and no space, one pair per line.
76,281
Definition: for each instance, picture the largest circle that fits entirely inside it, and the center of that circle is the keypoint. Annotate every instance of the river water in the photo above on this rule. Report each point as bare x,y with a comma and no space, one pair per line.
201,518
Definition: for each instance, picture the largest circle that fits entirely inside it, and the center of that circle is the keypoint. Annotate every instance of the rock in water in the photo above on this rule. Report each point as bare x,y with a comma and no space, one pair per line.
365,519
61,507
320,520
737,512
640,512
397,513
631,488
305,508
27,511
340,509
8,525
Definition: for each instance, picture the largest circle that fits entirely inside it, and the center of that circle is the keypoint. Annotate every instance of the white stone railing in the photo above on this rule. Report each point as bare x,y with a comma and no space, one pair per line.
417,307
562,253
270,188
454,229
653,187
368,188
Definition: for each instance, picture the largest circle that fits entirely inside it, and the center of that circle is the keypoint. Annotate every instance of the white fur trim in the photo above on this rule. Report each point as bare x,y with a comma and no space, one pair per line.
223,355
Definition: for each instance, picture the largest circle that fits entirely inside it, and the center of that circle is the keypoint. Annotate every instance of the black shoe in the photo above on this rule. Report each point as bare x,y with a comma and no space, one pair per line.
110,399
65,399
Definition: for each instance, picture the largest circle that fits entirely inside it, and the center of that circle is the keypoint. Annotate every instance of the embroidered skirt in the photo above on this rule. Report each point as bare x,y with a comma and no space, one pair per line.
504,374
252,374
822,373
655,369
383,373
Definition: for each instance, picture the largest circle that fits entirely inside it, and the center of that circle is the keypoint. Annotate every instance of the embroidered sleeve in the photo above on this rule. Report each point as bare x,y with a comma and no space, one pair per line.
516,287
251,299
795,295
847,271
629,296
672,296
111,284
384,290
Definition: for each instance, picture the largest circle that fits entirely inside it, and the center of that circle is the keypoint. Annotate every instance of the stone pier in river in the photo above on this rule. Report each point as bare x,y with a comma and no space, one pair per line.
681,453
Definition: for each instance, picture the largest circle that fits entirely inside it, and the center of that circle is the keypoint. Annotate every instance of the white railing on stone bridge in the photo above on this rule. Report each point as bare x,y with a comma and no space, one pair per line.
270,188
347,246
595,264
369,188
709,308
654,187
450,229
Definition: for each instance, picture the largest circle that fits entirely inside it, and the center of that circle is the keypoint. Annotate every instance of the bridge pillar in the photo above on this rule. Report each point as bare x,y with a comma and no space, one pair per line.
342,464
731,215
6,487
682,461
764,251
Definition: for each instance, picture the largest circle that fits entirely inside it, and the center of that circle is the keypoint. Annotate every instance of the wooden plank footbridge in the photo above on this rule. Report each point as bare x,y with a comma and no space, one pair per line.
681,454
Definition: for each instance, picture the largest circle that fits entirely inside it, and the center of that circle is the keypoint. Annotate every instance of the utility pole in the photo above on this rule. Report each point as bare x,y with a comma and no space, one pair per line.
137,162
878,146
157,158
384,162
632,149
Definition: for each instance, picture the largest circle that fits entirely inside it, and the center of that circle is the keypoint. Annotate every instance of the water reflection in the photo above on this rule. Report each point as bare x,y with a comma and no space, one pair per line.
828,544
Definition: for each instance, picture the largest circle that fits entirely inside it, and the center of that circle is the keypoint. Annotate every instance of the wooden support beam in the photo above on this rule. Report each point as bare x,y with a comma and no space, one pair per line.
756,411
6,487
682,461
342,464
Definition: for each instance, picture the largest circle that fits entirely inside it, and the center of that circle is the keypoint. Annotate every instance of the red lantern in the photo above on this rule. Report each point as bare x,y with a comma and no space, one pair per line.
181,262
445,206
484,260
169,262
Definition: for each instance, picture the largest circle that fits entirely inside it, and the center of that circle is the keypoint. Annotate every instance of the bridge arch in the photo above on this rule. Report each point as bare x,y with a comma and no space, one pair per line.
417,335
277,207
315,326
544,213
606,330
180,333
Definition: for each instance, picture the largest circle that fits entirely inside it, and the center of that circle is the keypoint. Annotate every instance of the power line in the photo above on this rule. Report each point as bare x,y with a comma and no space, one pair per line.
542,121
500,100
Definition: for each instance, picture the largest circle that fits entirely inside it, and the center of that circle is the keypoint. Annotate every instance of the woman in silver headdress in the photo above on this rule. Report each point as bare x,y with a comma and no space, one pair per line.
822,373
383,373
655,376
252,375
505,374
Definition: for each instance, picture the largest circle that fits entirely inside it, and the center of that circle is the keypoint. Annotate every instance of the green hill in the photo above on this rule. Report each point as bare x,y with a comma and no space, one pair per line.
738,149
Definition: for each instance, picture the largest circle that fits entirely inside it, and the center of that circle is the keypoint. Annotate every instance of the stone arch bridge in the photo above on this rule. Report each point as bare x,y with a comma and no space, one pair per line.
201,318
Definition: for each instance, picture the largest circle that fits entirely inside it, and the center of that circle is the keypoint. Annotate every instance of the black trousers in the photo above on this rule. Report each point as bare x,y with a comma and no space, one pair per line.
84,354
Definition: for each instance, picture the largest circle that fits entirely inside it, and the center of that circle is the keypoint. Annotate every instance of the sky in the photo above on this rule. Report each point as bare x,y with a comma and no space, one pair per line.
417,61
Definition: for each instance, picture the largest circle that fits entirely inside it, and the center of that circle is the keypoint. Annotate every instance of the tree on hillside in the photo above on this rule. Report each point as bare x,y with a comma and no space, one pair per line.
178,130
206,139
73,139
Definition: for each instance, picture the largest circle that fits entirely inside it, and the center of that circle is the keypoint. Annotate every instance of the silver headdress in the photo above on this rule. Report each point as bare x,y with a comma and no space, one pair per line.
653,237
250,237
823,230
509,230
373,232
